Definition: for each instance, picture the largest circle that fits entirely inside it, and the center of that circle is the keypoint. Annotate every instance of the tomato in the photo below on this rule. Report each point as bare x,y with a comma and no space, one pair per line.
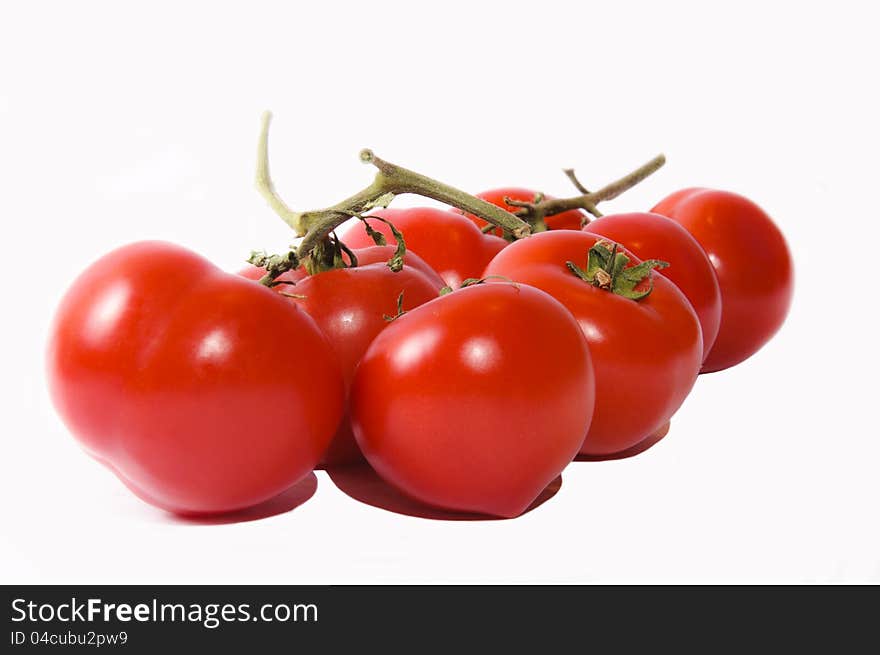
646,352
572,219
477,400
651,236
447,241
752,263
203,391
351,306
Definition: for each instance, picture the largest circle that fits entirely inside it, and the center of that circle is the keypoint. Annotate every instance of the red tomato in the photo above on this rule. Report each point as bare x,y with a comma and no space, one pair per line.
203,391
569,220
752,262
350,309
455,405
646,353
448,242
651,236
350,306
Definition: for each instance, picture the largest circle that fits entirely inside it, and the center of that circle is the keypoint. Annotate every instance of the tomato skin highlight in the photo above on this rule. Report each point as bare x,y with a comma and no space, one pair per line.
652,236
752,262
646,353
572,219
447,241
205,392
451,403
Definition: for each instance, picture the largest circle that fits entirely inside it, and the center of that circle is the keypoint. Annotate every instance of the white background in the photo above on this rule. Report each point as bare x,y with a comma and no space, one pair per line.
123,121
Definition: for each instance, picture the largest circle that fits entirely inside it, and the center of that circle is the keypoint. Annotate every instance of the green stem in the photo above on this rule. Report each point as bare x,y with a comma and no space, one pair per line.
569,173
391,180
532,211
264,179
401,180
275,265
590,207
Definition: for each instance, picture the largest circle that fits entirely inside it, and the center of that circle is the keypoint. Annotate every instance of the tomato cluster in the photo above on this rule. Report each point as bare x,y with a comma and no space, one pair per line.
466,368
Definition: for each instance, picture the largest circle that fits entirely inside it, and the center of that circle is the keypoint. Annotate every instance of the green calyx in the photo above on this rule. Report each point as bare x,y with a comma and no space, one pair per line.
400,310
607,269
275,265
328,255
396,261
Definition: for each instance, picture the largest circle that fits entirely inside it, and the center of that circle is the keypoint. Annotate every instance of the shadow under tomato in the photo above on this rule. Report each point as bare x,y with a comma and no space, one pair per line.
284,502
640,447
363,484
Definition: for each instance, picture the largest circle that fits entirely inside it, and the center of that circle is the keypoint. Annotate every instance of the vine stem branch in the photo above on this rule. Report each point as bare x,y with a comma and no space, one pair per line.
590,207
569,173
264,183
391,180
548,207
